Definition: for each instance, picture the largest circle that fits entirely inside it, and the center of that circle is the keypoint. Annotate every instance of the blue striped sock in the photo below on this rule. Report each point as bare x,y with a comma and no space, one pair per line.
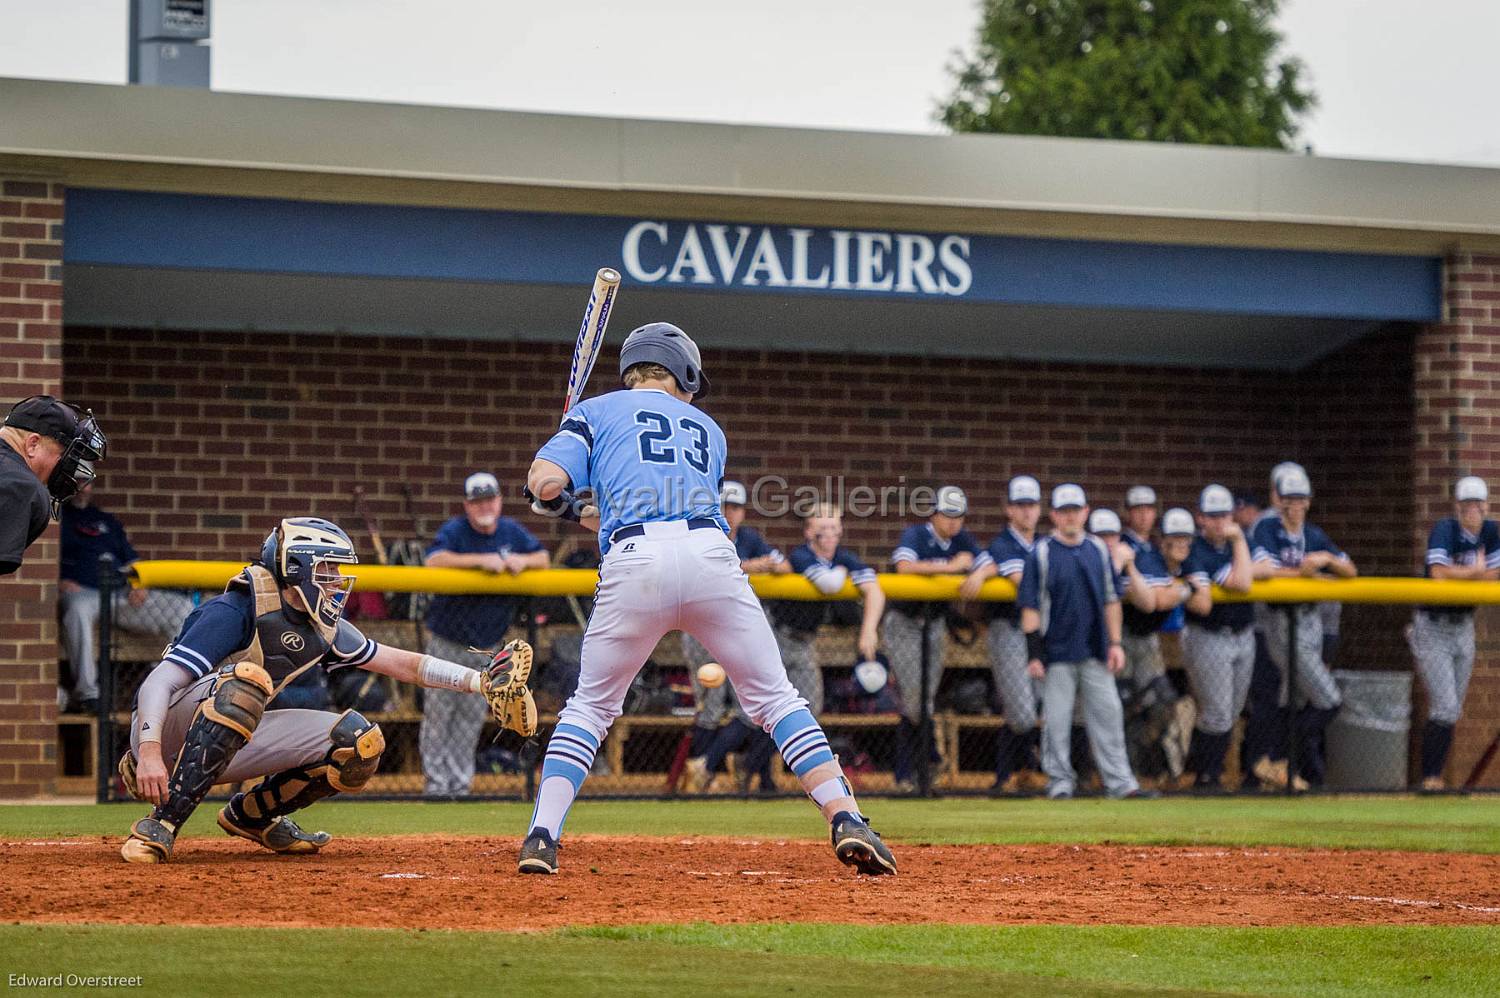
802,742
570,756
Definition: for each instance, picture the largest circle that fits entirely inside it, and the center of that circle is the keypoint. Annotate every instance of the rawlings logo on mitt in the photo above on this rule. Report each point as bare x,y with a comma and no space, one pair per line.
503,683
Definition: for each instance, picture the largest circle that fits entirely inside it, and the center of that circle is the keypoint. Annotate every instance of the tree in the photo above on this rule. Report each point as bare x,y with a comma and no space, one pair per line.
1201,71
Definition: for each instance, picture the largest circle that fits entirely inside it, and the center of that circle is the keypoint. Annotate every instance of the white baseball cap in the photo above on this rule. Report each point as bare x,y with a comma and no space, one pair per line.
1293,483
871,676
1104,521
1282,469
1140,495
1177,522
1216,499
1472,487
1024,488
734,493
951,501
1068,495
481,485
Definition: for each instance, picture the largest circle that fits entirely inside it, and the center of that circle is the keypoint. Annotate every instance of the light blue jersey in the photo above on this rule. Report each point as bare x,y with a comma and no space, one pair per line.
646,456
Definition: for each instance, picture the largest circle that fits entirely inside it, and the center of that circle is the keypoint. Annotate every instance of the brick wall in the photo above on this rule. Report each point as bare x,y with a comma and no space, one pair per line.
1457,428
30,364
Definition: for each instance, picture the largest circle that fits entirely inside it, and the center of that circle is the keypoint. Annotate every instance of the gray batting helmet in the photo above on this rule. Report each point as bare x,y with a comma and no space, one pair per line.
663,343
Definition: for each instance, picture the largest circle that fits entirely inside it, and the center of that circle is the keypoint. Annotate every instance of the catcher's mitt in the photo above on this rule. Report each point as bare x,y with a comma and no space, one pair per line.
503,683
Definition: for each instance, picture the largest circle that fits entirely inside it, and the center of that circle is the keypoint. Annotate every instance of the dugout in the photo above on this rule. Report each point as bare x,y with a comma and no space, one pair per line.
271,300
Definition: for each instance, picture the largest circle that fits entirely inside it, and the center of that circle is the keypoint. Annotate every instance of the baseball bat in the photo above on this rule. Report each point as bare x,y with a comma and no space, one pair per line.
591,333
1484,763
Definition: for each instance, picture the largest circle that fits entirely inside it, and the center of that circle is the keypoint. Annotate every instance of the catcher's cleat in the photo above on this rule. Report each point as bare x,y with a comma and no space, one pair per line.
150,841
856,844
538,853
281,835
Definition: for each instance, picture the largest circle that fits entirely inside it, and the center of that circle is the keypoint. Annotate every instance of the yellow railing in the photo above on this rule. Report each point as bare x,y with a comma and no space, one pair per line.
581,582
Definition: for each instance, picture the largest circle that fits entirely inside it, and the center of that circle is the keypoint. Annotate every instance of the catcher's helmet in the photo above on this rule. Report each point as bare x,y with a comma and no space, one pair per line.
663,343
303,553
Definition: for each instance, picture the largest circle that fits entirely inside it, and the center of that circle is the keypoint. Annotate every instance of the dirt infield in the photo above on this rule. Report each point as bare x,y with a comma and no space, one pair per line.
457,882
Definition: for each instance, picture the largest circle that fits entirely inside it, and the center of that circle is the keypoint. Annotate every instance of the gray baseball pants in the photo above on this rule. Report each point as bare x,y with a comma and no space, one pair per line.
1219,664
1444,651
1103,716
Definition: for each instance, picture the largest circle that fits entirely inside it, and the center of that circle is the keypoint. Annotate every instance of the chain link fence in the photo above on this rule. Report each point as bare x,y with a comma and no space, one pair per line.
676,738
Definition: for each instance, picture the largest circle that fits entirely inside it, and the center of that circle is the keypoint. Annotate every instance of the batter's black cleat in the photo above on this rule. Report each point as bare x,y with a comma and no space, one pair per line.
279,835
538,853
856,844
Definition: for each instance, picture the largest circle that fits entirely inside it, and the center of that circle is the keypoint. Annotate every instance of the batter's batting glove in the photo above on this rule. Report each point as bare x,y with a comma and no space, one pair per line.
563,506
503,683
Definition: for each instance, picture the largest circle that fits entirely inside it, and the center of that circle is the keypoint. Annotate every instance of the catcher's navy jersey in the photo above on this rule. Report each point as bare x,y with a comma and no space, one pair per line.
647,457
1450,544
226,624
1208,563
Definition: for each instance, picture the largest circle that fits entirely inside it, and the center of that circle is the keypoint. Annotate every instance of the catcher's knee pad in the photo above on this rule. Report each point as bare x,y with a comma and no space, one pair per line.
224,723
355,755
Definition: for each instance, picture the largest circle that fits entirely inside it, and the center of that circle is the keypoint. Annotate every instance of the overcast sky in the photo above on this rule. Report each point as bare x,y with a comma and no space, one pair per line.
1396,79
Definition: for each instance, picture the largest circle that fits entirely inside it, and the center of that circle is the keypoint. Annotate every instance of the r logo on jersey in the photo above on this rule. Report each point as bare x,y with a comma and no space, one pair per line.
629,546
292,640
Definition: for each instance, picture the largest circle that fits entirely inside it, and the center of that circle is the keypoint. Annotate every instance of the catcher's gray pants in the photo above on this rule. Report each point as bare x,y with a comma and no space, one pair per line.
284,739
1444,650
1219,665
717,704
1019,693
1314,680
161,613
799,655
903,638
451,722
1102,716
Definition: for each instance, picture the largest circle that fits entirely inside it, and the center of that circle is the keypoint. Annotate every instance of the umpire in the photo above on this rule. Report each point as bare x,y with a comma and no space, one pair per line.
1463,546
47,452
1070,614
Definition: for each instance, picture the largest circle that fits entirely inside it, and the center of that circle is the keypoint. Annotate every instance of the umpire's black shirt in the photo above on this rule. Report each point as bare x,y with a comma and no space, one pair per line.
25,508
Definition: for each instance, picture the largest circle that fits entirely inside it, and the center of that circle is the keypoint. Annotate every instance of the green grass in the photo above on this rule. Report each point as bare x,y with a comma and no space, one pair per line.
1451,824
771,959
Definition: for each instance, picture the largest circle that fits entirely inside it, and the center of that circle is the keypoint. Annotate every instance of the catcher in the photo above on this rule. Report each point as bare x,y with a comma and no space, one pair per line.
201,715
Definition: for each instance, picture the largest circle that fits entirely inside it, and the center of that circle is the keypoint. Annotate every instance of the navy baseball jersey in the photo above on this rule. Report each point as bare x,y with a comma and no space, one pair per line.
1080,583
1271,541
749,545
226,624
1007,552
646,456
1207,563
1150,563
1450,544
477,621
920,542
809,615
86,534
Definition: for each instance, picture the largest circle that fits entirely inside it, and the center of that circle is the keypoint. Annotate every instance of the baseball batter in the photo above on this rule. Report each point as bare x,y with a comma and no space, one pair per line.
204,705
1463,546
654,464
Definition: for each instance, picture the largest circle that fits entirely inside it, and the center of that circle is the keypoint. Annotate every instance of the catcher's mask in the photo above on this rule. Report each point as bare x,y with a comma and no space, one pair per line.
304,553
76,429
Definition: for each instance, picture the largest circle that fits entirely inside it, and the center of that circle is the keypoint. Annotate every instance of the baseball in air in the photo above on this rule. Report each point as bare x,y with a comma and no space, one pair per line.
711,674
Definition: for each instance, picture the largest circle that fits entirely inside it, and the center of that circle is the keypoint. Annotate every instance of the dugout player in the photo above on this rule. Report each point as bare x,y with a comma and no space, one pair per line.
200,716
457,625
941,546
1463,546
1070,615
656,463
47,452
721,725
1020,694
1287,546
1218,640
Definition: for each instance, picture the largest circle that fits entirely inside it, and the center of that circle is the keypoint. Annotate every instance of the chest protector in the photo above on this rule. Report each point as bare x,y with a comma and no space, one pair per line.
284,644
